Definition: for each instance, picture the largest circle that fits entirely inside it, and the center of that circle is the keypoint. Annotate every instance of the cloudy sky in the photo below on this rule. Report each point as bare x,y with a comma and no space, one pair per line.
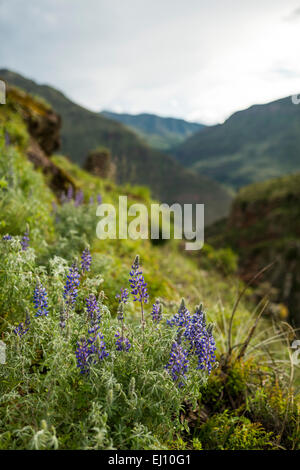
196,59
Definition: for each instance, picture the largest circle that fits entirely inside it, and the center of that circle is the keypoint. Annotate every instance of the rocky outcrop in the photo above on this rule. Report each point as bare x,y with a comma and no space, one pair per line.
43,126
99,163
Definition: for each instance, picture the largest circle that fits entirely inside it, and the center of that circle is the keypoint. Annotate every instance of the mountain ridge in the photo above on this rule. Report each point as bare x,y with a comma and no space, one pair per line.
158,132
255,144
136,163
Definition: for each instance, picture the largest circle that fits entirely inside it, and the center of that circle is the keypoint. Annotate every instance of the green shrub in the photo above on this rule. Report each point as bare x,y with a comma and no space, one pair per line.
228,432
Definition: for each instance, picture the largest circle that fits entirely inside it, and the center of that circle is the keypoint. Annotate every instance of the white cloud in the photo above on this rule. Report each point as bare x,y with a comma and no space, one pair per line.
194,59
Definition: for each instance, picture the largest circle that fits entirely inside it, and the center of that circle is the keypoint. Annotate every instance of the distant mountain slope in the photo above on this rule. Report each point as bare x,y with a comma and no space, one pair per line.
136,163
258,143
159,132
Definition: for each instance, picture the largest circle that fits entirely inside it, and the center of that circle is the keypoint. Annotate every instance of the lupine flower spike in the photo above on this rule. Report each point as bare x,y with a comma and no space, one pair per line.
86,260
6,237
156,312
178,363
202,343
78,198
82,356
182,318
138,286
93,309
40,300
122,343
70,194
71,286
23,327
25,241
123,296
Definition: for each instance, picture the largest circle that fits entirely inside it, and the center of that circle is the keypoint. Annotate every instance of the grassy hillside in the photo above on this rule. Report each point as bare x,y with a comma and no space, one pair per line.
66,384
136,163
161,133
256,144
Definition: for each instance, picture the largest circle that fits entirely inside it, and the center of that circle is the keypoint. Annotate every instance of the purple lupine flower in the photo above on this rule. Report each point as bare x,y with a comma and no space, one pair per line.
40,300
6,237
91,201
94,347
71,286
93,308
123,296
82,356
137,283
156,312
23,327
122,343
78,198
202,343
97,347
196,327
205,350
70,193
86,260
25,241
182,318
99,199
178,363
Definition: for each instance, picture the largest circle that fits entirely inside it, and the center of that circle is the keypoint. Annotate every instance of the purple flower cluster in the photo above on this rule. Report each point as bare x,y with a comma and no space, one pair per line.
79,198
6,237
178,363
156,312
122,343
89,350
86,260
123,296
97,347
40,300
25,241
22,327
137,283
70,193
182,318
69,196
193,330
71,286
202,343
93,309
82,356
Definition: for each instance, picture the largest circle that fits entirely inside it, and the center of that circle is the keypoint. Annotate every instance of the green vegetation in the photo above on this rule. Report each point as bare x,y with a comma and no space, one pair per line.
161,133
256,144
128,399
263,228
